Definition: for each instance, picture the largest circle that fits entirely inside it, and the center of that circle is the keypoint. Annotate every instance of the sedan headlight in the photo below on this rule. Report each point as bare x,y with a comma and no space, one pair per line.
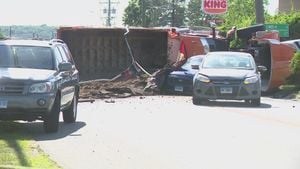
41,87
251,80
203,79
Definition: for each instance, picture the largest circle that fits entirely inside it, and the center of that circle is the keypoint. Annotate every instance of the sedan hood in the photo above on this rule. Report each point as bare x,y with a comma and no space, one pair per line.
25,74
232,73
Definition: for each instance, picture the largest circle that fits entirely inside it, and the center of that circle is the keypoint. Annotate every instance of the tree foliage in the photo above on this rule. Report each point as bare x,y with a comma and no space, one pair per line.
132,14
28,32
1,36
194,14
151,13
295,67
292,18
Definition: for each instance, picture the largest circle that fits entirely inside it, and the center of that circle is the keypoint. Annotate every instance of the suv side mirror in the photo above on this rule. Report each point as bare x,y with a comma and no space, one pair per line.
262,68
65,66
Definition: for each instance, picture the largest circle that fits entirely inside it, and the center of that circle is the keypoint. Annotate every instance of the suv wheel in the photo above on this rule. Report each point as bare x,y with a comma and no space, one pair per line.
70,114
51,120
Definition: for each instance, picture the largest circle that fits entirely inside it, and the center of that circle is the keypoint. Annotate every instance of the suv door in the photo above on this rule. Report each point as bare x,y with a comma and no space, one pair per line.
66,86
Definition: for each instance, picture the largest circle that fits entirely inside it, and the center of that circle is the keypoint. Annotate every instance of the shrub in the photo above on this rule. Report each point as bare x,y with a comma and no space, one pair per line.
295,67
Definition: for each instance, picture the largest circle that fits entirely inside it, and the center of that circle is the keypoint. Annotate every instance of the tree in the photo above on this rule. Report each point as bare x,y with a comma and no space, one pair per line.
195,16
241,13
132,14
291,18
151,13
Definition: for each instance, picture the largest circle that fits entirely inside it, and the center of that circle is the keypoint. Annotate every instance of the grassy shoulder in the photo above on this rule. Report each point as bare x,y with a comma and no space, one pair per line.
18,150
290,91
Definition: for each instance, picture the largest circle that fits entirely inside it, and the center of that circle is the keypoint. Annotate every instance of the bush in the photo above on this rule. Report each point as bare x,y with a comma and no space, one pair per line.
295,67
1,36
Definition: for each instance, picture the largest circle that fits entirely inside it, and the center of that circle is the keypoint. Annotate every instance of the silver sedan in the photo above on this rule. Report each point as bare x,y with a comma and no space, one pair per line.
228,76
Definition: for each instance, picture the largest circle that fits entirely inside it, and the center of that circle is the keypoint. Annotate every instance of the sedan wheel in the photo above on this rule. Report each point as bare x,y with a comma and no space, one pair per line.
196,101
255,102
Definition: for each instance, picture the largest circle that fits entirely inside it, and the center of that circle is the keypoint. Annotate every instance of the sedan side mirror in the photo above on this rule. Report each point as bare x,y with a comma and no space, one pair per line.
262,68
196,67
65,66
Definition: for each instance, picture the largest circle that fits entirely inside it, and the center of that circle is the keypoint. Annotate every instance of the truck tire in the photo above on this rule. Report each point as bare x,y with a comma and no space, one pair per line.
70,114
51,120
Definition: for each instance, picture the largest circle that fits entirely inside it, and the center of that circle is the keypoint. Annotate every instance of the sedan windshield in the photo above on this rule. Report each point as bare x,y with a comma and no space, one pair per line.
227,61
35,57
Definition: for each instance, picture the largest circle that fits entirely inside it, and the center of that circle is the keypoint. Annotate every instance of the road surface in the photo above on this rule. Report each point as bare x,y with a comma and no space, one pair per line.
168,132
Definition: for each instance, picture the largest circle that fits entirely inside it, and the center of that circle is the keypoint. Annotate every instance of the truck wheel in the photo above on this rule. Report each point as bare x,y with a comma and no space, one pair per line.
51,120
70,114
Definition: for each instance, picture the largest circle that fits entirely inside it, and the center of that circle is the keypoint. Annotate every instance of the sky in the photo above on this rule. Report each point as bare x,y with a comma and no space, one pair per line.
63,12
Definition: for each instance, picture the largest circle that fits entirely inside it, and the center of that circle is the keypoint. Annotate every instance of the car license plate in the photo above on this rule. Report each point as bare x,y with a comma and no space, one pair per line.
178,88
3,104
226,90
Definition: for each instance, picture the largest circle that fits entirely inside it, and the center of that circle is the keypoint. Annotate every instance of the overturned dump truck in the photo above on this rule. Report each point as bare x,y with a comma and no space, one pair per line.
268,51
101,53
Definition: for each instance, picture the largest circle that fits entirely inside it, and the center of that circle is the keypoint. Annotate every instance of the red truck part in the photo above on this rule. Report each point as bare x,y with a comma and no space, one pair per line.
268,51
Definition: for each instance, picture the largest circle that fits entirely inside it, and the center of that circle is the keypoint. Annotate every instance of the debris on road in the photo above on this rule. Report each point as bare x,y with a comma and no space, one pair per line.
106,89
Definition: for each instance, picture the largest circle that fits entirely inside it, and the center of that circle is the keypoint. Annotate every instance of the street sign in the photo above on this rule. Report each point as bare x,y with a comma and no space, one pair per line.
283,29
214,6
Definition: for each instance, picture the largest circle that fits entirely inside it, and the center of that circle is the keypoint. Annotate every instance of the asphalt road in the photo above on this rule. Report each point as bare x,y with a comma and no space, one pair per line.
167,132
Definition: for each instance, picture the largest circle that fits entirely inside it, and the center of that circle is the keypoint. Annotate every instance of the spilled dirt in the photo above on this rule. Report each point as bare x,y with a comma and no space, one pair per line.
105,89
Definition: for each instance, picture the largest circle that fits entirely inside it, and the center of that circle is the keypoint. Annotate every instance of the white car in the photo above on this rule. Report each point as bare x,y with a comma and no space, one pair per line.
294,43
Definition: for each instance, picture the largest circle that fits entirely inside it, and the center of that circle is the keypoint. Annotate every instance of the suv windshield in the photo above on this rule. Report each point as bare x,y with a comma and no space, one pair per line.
6,60
35,57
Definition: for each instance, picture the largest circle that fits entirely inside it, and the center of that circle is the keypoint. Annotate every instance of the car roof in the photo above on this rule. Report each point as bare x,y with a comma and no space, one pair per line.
230,53
25,43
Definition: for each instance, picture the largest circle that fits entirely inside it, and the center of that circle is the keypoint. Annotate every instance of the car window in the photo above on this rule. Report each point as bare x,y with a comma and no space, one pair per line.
191,61
297,44
68,53
63,54
6,60
58,57
33,57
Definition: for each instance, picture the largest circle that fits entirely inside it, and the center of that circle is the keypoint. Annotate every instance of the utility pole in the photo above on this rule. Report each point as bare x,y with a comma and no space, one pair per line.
143,13
109,14
109,10
173,13
259,11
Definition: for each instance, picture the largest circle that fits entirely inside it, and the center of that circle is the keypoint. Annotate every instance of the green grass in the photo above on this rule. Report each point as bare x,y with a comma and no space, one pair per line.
293,91
18,150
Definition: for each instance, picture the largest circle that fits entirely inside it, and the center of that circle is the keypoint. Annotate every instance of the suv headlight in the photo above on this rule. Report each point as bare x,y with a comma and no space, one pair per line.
45,87
203,79
251,80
